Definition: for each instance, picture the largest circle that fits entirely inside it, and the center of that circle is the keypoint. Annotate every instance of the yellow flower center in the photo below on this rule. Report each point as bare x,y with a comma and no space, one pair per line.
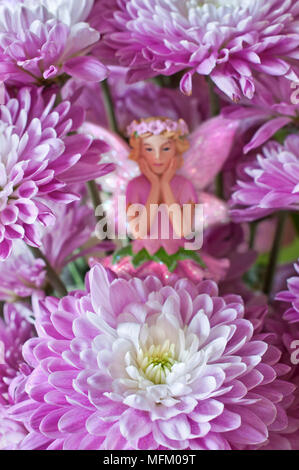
157,361
221,3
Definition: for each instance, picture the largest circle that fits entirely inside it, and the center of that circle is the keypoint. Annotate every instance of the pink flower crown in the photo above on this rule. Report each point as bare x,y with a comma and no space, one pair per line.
157,126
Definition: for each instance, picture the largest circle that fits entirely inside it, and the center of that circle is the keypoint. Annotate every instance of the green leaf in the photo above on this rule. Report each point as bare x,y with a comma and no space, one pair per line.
283,133
162,257
253,278
118,255
74,271
290,253
140,258
190,254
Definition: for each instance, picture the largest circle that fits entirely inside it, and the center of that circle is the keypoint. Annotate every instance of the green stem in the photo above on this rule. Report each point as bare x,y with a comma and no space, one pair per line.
219,186
295,219
273,260
168,81
253,229
214,99
58,98
158,80
95,197
214,111
52,276
109,107
75,275
94,194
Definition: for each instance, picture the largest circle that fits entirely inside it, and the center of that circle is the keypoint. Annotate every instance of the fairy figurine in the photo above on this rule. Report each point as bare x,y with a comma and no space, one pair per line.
170,171
157,145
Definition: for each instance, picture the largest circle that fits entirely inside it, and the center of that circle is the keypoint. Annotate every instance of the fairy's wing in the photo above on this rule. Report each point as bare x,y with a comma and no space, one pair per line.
119,151
113,184
215,210
210,146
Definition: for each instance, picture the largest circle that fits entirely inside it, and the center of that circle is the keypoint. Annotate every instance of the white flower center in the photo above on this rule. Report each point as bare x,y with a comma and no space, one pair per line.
157,361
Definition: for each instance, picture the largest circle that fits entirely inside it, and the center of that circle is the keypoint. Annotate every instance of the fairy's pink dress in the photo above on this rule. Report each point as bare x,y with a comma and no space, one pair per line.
138,191
184,192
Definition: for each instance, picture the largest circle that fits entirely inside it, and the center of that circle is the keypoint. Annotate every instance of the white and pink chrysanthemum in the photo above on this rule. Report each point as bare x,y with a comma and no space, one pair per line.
41,40
225,39
135,365
269,183
292,296
38,158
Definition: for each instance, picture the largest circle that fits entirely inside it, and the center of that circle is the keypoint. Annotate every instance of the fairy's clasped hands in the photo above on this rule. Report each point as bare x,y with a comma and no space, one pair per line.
155,179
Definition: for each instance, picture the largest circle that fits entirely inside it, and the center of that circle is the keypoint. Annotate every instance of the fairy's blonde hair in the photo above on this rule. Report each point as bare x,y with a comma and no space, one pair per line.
181,142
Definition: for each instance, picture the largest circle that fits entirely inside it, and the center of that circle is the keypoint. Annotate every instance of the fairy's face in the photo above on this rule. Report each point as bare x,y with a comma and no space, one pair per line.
158,151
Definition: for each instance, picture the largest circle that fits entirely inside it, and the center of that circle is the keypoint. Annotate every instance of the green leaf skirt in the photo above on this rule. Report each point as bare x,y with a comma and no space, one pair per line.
161,256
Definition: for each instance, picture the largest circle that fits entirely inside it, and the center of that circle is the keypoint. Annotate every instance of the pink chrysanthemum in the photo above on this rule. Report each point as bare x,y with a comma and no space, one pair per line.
12,433
274,105
74,226
135,365
225,39
286,338
37,158
291,296
14,332
269,183
21,274
41,40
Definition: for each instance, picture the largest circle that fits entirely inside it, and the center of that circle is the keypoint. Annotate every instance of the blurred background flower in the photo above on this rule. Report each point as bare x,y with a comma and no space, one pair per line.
139,100
269,182
272,108
291,296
